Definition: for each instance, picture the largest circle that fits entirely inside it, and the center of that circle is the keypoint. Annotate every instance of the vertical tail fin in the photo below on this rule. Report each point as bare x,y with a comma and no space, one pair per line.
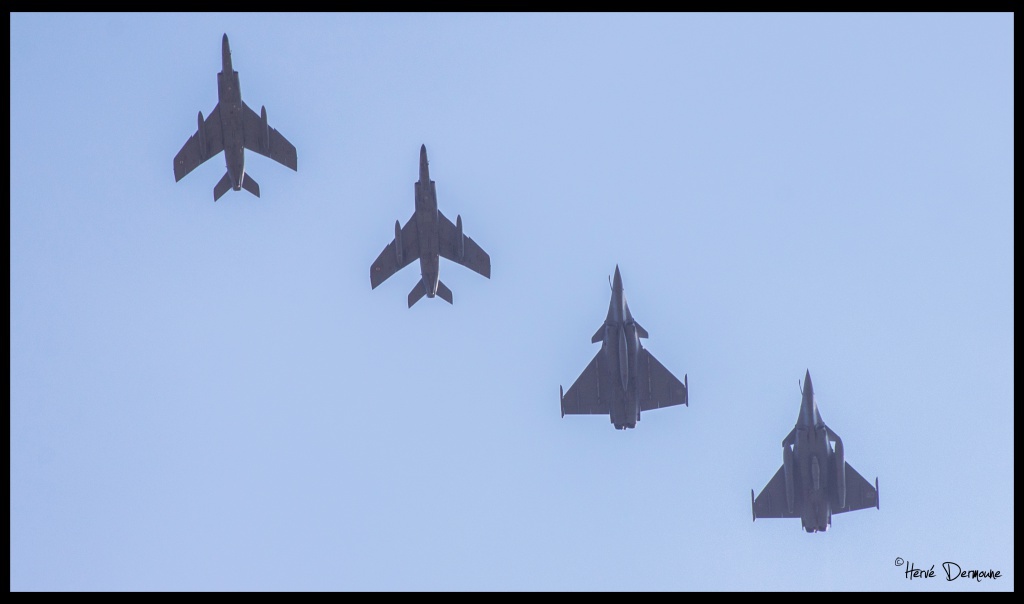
444,293
250,185
222,187
417,292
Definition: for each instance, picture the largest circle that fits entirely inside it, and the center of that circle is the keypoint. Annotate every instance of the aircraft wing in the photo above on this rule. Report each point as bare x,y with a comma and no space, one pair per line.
860,493
584,396
277,147
473,257
771,502
656,386
387,263
194,153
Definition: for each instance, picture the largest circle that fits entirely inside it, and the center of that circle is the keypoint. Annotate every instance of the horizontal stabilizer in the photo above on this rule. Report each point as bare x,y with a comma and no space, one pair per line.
444,293
222,187
417,292
250,185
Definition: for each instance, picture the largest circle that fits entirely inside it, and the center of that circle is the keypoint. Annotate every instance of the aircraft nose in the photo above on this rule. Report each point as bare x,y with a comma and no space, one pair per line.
808,410
618,278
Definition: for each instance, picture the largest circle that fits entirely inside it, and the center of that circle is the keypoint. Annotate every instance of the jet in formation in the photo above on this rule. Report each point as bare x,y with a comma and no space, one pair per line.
815,481
428,235
624,378
232,127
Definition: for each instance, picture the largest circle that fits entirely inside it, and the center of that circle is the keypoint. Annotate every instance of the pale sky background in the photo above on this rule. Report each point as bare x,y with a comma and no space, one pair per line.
209,396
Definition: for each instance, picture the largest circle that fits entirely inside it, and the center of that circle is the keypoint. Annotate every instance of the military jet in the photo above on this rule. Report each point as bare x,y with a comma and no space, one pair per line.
232,127
426,235
623,379
815,480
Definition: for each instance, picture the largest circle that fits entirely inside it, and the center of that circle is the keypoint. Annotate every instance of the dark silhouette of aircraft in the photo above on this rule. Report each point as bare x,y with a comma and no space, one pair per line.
624,378
427,235
815,480
232,127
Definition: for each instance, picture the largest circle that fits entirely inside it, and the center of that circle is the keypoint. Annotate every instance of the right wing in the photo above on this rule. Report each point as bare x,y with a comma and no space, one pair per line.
771,503
276,147
387,263
473,257
657,387
584,396
860,493
201,146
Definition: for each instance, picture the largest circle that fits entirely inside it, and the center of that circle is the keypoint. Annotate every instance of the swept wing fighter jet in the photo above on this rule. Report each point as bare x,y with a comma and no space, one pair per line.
623,379
232,127
427,235
815,480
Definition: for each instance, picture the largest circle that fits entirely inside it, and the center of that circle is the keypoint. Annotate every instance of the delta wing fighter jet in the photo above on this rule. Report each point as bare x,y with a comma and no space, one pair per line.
815,481
232,127
427,235
623,379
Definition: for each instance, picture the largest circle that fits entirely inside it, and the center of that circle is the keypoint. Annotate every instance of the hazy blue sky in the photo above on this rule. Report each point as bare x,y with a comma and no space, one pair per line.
209,396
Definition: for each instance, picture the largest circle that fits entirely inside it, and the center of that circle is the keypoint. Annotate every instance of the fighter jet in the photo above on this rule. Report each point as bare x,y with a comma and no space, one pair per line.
623,379
232,127
426,235
815,480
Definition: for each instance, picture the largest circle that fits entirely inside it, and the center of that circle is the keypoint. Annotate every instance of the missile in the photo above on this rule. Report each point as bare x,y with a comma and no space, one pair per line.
460,240
398,243
266,129
202,135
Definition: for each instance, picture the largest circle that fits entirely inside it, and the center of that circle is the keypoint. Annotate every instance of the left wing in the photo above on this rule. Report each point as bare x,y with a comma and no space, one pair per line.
201,146
860,493
390,261
584,396
656,386
266,141
771,502
472,256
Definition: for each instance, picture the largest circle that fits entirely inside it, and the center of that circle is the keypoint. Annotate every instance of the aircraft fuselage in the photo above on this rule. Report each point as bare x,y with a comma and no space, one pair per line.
814,460
230,98
427,227
619,356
